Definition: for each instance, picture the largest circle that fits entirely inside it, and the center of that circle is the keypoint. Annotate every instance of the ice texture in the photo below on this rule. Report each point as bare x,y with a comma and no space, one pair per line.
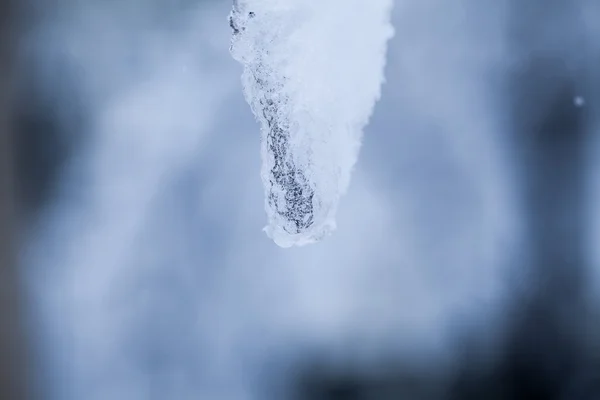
313,72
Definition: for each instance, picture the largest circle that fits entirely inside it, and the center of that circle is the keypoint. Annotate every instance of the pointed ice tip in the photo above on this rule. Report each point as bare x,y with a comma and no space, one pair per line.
286,240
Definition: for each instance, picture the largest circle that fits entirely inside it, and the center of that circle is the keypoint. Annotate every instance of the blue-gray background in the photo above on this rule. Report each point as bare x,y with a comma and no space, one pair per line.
148,271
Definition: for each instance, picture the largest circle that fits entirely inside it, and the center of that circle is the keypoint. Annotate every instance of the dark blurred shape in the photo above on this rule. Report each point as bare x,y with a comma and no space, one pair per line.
545,348
50,121
13,368
391,381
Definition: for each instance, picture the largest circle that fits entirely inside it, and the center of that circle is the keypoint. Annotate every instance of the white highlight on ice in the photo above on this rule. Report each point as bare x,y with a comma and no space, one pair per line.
313,71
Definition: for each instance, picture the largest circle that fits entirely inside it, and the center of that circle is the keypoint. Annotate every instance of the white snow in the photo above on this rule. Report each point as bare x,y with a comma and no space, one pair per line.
313,71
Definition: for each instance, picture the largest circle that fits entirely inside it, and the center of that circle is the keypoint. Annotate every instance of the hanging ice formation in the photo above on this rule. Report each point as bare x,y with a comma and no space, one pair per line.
312,75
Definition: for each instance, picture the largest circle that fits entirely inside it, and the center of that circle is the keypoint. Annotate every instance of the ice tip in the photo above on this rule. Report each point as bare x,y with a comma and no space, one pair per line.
285,240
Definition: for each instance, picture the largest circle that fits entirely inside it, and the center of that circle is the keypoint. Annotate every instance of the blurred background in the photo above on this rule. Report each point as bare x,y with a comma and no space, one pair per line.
133,265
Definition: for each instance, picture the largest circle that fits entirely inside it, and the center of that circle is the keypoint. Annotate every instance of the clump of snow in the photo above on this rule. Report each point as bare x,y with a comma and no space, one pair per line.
312,75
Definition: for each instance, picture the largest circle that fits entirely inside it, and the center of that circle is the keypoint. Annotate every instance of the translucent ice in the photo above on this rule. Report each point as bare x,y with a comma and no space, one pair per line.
313,71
